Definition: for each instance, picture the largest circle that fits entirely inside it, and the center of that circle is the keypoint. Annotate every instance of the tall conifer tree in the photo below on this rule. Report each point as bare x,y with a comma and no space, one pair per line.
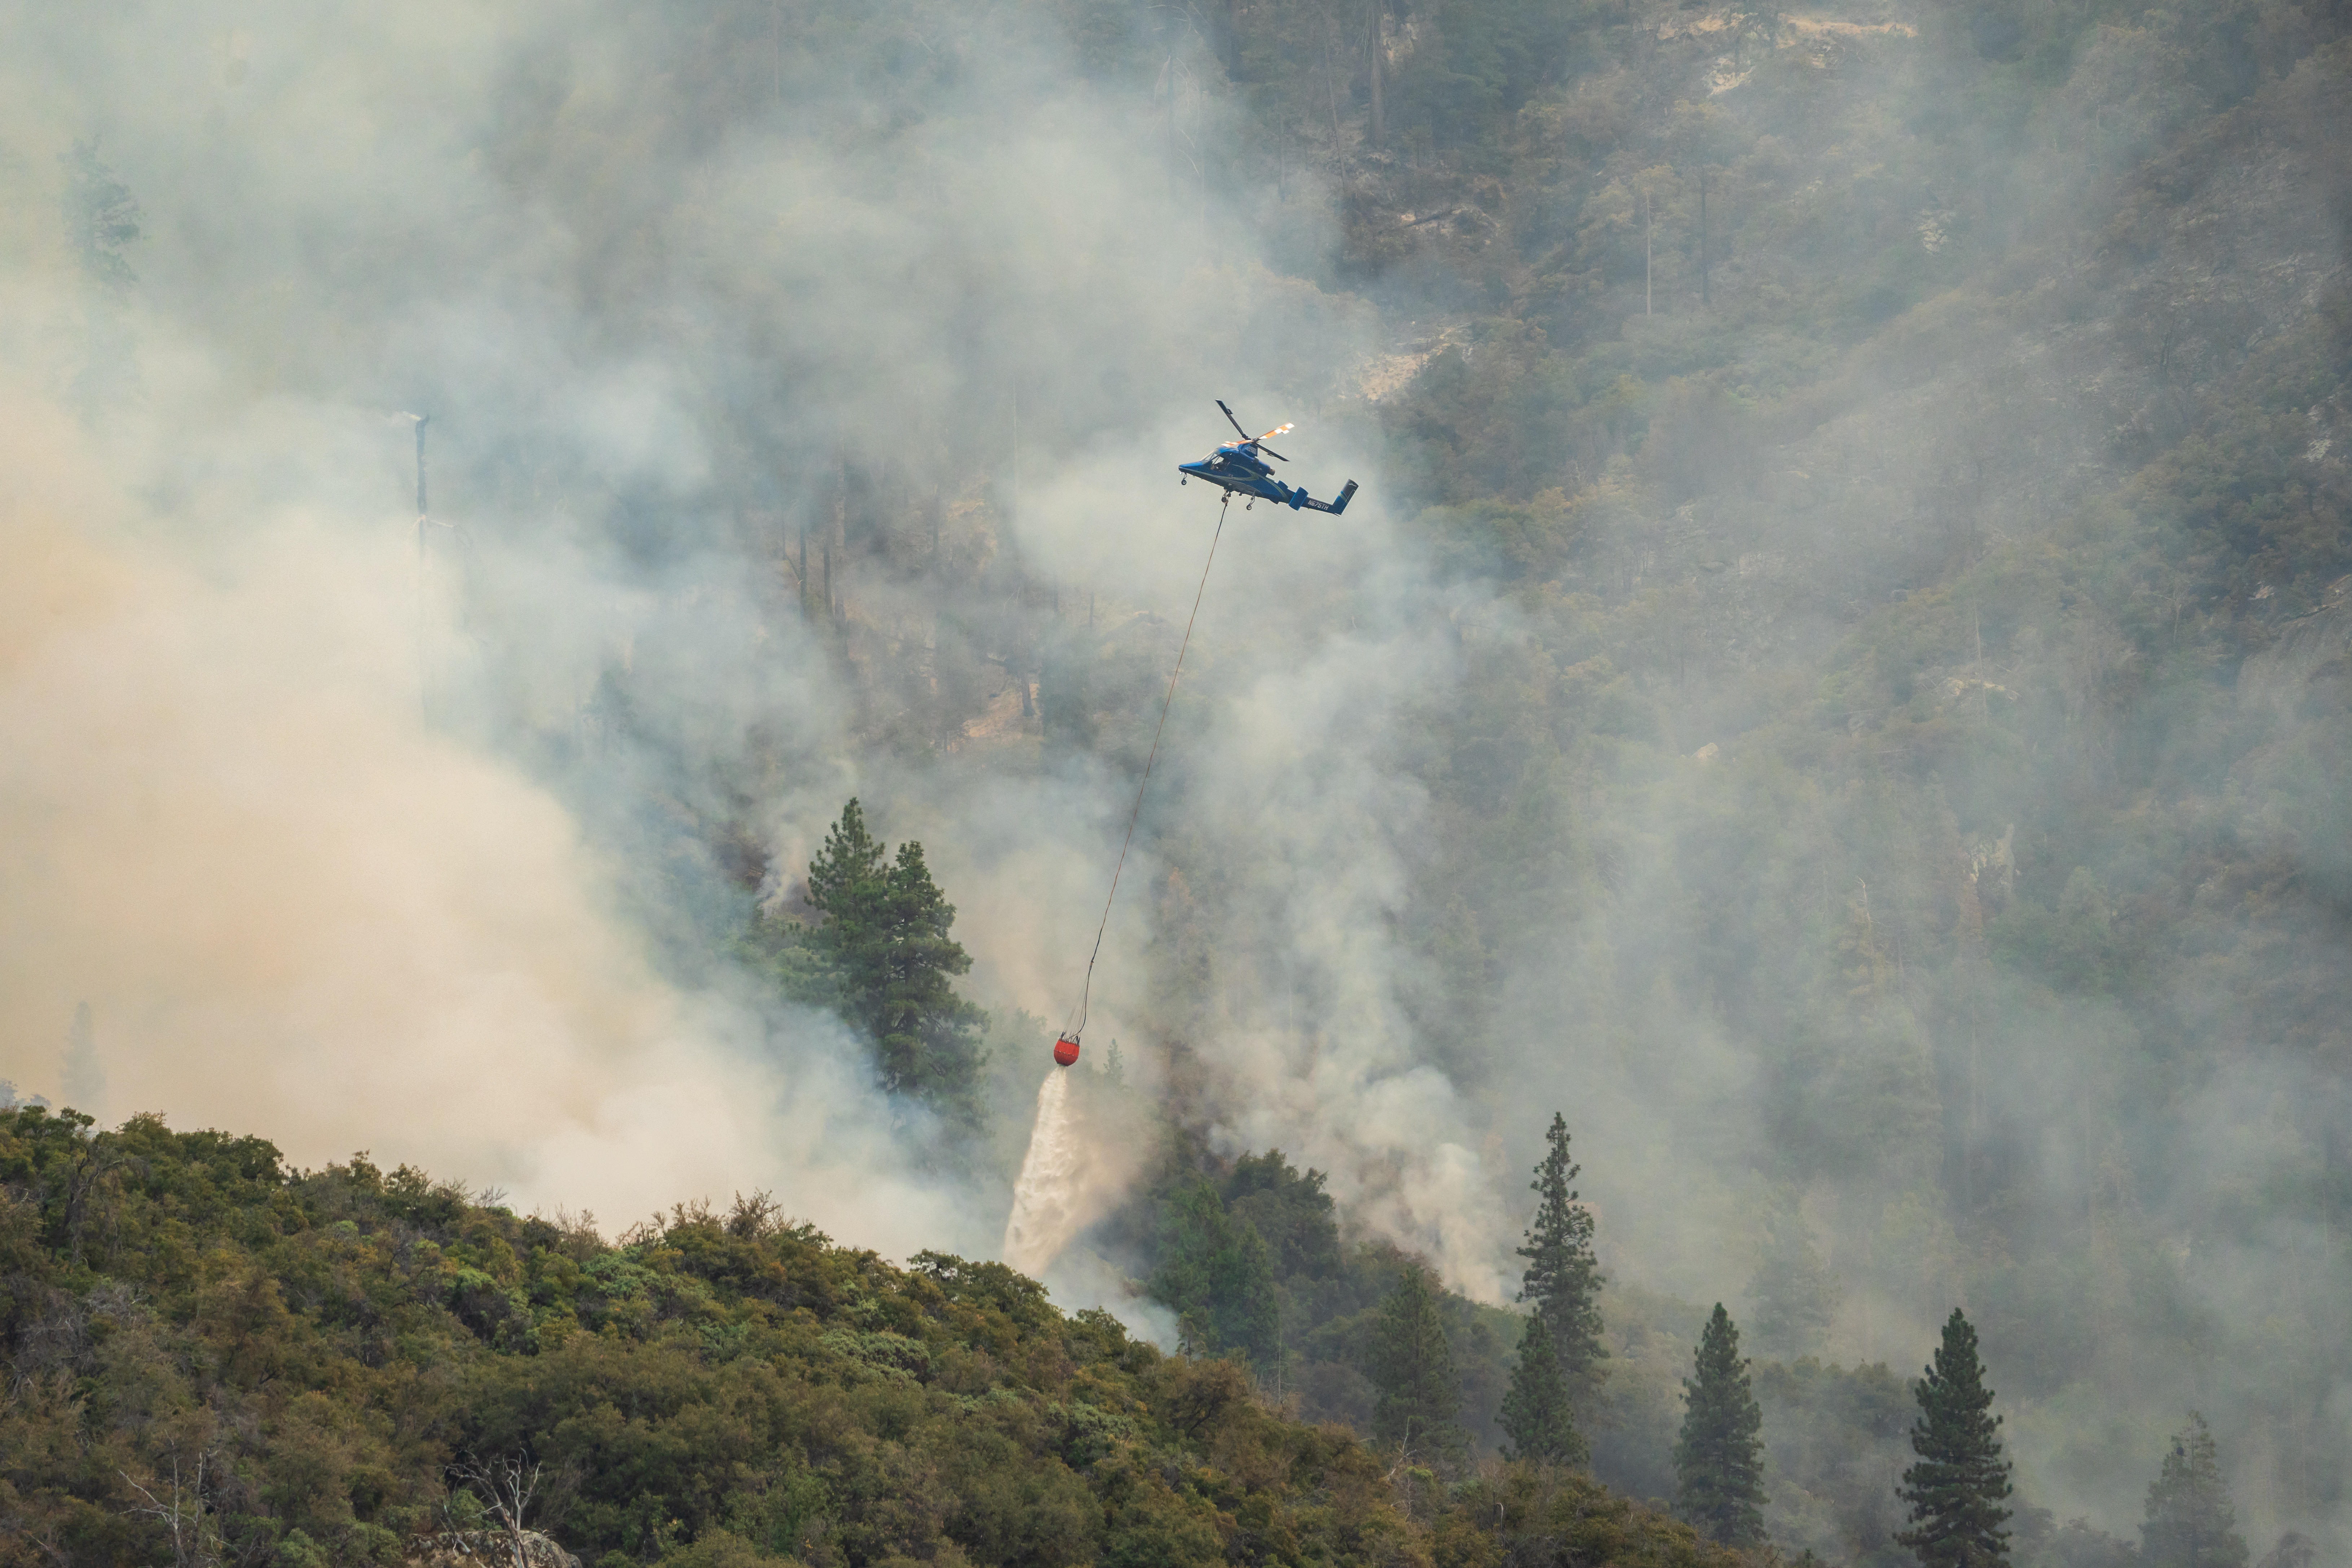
1420,1402
1955,1489
1216,1274
1538,1423
1563,1281
2192,1522
1719,1458
884,958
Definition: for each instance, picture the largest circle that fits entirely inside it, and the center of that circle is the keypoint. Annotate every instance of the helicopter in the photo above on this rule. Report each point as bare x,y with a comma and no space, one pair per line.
1237,466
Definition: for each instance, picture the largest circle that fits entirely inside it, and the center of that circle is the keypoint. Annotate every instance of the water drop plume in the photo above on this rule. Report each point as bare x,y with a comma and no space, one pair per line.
1046,1198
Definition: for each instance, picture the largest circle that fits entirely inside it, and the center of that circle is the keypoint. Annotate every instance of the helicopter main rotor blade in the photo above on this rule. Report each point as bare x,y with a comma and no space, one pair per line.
1235,423
1278,431
1268,451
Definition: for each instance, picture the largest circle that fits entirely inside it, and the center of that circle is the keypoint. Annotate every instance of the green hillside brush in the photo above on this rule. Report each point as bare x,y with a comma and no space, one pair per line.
215,1354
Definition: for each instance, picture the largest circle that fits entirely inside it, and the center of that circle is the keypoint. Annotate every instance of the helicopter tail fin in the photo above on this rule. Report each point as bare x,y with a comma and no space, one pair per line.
1335,507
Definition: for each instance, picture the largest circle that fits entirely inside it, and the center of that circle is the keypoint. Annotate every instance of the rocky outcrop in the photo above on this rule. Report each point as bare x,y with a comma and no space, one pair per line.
486,1548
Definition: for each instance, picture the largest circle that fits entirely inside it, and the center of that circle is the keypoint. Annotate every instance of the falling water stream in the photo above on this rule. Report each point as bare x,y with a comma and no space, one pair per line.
1044,1200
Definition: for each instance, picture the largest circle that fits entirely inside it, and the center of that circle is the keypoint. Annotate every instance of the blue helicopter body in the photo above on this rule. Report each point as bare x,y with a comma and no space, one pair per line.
1240,467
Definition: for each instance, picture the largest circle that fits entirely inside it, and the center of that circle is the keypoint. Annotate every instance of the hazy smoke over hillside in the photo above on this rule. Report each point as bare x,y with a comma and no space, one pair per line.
383,839
800,392
298,906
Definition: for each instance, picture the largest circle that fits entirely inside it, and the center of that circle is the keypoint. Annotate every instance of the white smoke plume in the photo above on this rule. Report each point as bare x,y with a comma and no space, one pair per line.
362,841
301,909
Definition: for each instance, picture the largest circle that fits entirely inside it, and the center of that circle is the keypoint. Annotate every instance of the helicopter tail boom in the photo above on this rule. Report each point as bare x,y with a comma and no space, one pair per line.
1334,507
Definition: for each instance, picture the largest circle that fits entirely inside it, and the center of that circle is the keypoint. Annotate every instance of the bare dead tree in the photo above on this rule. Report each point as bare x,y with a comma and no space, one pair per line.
196,1540
506,1487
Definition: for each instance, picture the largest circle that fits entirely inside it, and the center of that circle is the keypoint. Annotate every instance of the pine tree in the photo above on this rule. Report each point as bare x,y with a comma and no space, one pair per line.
844,878
1955,1489
1719,1458
2190,1521
1538,1423
1217,1275
882,959
1420,1402
928,1036
1562,1279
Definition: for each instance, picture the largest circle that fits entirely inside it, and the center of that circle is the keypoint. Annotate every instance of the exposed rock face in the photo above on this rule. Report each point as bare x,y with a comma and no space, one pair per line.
2310,653
486,1548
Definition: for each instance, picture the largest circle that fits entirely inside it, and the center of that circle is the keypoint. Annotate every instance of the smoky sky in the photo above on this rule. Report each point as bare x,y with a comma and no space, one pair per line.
359,833
420,830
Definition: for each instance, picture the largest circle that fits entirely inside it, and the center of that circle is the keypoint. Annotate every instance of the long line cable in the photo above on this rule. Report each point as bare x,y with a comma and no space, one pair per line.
1085,995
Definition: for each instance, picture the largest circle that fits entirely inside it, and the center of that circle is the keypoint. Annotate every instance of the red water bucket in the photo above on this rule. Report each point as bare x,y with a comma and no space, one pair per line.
1066,1051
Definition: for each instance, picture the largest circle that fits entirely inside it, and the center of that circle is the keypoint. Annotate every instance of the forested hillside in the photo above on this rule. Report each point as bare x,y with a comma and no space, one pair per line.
214,1359
1887,458
1899,763
1835,684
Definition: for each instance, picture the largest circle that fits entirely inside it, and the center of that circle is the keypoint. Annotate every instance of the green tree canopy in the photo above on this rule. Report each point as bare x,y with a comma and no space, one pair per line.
292,1368
1289,1208
1538,1422
1719,1458
1420,1395
1216,1274
1955,1489
2190,1521
882,959
1562,1279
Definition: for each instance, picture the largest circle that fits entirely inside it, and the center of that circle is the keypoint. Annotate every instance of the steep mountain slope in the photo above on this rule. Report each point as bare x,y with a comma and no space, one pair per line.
218,1359
1889,778
1836,681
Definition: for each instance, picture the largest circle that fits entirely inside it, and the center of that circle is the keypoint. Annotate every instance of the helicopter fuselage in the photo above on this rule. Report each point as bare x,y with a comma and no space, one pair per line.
1236,467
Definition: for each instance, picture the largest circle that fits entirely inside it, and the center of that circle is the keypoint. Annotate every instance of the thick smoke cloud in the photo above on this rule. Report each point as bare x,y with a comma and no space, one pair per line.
800,388
296,906
434,876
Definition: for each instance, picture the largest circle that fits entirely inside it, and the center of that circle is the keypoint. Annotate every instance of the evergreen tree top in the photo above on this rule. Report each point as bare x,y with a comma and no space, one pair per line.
1563,1279
1562,1228
1719,1456
882,959
1955,1489
851,862
1556,1170
1720,1367
2192,1522
1954,1385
